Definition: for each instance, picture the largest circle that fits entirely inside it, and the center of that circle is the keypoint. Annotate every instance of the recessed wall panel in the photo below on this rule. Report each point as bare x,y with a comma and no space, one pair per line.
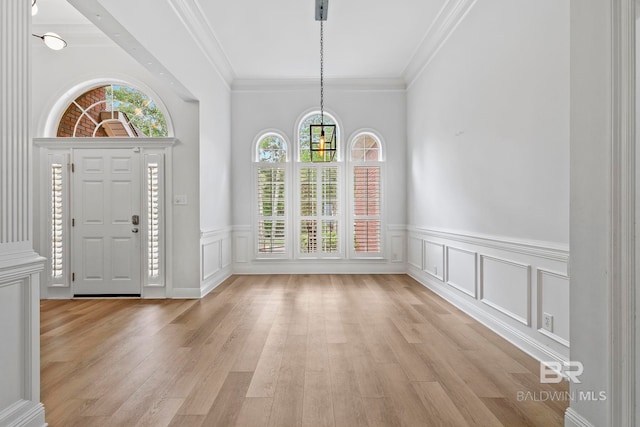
414,256
12,335
505,286
462,270
211,259
553,299
434,259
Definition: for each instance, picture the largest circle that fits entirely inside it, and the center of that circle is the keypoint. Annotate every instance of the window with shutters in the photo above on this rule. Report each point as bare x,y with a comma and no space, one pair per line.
319,211
57,218
366,176
271,176
153,221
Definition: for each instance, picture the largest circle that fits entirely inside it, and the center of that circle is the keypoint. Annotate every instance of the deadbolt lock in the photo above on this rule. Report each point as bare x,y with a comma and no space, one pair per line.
135,219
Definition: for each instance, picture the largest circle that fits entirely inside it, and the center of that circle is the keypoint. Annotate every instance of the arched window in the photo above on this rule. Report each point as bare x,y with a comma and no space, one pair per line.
320,214
366,201
271,195
113,111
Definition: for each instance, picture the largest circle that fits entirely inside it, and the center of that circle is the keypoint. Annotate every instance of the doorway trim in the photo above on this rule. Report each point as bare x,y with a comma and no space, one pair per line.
45,147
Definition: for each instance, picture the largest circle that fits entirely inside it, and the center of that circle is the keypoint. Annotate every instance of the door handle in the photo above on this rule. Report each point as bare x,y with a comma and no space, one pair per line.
134,230
135,219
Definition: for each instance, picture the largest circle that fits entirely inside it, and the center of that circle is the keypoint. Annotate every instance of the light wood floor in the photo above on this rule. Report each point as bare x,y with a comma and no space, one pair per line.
284,351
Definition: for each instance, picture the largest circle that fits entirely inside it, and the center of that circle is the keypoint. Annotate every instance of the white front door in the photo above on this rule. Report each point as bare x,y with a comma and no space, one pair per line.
106,242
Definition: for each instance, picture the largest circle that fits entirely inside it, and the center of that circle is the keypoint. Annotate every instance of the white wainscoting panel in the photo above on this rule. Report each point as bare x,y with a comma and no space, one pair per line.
434,259
553,299
12,302
492,279
396,247
20,337
462,270
506,286
242,244
211,259
215,252
415,252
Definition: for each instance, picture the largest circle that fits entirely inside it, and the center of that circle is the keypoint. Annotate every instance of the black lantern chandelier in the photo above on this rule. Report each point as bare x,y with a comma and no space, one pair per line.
322,137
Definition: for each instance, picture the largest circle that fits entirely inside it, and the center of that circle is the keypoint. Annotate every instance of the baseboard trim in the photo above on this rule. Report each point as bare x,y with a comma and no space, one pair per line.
521,340
320,267
215,281
574,419
205,287
24,414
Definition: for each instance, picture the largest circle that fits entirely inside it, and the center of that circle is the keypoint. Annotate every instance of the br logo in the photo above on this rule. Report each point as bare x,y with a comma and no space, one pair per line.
554,372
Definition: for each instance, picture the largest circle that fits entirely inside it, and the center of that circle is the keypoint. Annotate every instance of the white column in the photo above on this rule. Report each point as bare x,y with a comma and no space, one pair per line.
20,266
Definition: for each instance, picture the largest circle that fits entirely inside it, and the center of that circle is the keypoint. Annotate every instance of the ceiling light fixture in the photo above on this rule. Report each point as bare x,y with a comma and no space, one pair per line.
322,137
52,40
34,8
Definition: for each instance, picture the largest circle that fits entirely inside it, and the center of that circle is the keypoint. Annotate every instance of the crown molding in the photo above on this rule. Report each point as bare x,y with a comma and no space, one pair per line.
193,18
292,85
450,16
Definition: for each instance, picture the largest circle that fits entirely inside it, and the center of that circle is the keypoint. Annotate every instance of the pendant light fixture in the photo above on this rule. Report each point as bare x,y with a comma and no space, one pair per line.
52,40
322,137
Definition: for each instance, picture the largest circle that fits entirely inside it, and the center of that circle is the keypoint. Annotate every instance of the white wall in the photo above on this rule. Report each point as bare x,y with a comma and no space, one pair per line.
258,107
488,170
55,73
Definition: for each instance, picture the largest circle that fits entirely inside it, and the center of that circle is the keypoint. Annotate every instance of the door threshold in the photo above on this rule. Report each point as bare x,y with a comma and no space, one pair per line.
110,296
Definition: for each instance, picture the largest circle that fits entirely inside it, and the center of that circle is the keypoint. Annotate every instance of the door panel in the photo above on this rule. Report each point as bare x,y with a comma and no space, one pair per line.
106,244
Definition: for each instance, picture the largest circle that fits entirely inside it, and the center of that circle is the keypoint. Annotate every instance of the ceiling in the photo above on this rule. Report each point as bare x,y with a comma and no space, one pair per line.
275,39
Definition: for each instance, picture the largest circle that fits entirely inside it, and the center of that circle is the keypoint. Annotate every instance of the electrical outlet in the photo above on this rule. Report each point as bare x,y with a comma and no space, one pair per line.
547,322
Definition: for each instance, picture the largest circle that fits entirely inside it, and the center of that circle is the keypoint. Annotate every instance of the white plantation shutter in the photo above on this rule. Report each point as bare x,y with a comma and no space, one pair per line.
330,210
271,196
308,184
366,197
153,219
57,219
271,210
366,209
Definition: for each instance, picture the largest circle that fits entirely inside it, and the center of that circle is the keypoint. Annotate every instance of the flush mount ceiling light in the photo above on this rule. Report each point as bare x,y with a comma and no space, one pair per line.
34,8
322,137
52,40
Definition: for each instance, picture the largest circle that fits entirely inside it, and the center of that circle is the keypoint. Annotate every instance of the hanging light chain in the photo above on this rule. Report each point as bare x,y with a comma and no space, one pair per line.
321,72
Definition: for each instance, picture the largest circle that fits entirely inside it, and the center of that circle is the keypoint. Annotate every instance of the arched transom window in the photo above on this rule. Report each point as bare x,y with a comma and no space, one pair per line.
113,111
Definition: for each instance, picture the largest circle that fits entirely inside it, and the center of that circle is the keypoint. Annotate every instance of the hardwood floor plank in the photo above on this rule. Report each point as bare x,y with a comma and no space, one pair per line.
265,377
441,409
255,412
380,412
289,393
317,405
286,351
160,414
226,408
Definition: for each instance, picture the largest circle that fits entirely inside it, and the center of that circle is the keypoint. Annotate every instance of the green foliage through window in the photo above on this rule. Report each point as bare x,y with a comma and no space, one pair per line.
141,111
